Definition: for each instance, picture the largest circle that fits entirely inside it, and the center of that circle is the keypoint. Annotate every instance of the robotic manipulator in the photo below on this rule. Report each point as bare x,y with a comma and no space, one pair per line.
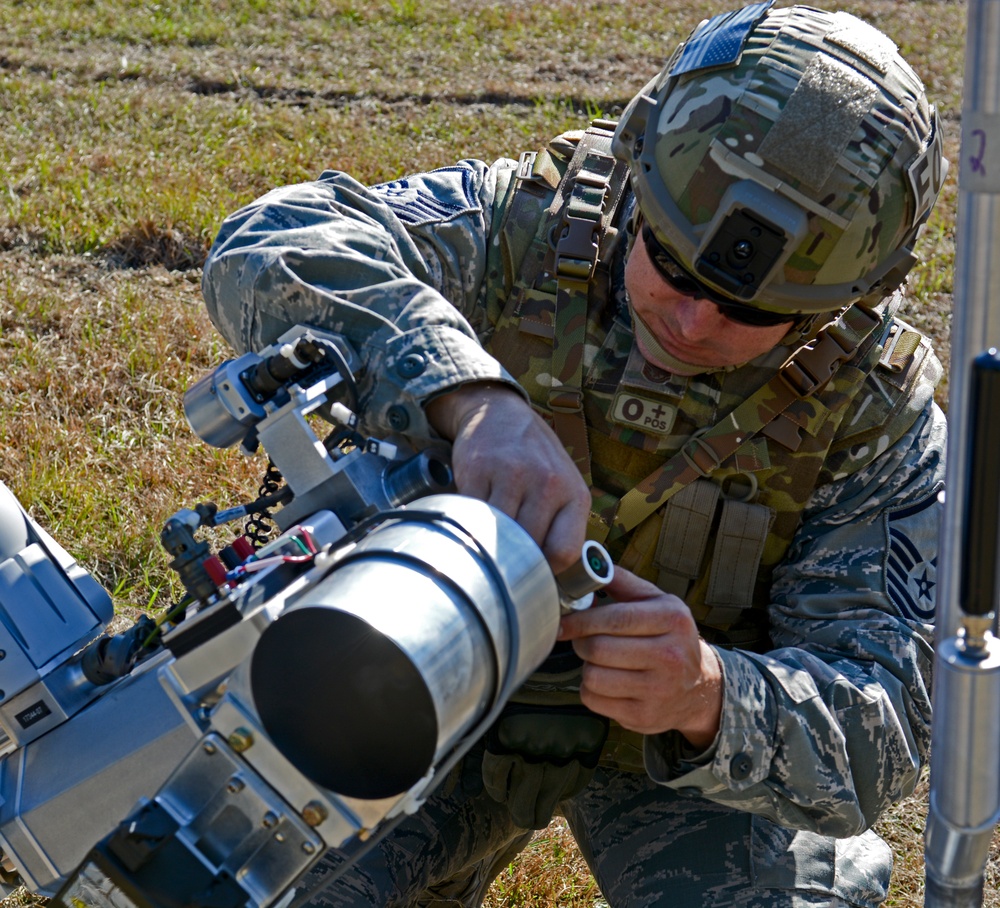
304,695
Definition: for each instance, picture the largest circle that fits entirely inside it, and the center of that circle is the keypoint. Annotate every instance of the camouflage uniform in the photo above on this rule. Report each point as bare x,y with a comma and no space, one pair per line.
825,649
820,733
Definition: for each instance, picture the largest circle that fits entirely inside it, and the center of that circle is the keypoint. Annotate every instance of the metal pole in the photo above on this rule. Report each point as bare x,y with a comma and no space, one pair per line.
965,782
965,769
975,324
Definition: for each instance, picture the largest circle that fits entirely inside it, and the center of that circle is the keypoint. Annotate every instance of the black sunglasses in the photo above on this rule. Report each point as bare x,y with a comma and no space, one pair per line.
683,282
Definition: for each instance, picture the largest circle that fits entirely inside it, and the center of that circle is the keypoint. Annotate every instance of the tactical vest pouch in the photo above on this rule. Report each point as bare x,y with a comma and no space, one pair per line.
739,544
684,535
738,537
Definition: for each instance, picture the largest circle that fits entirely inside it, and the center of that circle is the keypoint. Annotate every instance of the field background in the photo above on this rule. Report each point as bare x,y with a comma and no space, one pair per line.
128,130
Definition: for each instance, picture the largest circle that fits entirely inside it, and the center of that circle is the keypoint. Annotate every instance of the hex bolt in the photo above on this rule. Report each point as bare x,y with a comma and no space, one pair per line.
270,819
241,740
235,785
314,813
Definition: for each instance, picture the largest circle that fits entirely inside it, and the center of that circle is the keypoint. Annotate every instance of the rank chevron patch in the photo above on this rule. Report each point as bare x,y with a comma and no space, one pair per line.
911,578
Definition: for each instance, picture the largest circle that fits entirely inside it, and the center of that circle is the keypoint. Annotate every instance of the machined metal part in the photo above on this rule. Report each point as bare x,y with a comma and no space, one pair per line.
219,407
404,645
237,823
315,688
962,814
51,609
976,319
965,789
462,606
578,583
223,408
62,792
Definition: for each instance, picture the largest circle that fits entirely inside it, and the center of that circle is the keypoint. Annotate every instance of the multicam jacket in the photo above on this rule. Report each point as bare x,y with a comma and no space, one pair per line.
825,648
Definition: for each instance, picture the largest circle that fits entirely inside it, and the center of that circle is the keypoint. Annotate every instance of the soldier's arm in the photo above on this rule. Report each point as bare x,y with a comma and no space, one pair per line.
833,725
399,269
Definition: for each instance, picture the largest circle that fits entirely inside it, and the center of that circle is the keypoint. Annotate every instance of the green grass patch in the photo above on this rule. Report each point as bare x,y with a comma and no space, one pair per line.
129,130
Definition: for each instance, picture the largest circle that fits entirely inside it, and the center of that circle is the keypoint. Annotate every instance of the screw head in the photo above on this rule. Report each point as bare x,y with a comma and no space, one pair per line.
241,740
314,813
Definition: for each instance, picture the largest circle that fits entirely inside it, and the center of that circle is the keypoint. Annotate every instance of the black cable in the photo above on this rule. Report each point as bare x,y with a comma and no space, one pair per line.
344,371
259,528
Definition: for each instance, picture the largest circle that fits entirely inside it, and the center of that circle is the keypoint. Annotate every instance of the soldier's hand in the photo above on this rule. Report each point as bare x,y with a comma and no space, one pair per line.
505,454
644,664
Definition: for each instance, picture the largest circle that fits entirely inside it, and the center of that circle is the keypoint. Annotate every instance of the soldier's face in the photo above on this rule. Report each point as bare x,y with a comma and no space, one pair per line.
693,331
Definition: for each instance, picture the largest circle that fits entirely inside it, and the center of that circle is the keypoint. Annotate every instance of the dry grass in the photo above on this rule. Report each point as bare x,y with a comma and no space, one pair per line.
96,360
550,872
128,130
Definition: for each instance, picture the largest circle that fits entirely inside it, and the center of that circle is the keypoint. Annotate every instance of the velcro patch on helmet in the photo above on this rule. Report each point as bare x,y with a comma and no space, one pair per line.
719,41
818,121
864,41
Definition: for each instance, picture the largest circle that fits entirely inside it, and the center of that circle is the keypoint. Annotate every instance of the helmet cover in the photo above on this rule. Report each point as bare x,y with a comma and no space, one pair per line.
787,158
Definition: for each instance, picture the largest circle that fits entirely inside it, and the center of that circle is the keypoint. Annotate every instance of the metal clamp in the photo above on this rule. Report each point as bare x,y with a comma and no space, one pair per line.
526,167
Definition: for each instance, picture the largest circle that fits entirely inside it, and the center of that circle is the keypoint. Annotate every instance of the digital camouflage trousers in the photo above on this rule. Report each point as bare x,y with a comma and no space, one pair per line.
646,845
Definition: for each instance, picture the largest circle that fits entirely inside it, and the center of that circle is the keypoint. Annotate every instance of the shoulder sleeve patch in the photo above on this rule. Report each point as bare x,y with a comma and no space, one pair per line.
911,559
428,197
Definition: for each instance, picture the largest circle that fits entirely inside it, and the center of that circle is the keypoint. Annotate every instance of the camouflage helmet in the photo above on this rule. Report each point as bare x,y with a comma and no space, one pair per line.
786,157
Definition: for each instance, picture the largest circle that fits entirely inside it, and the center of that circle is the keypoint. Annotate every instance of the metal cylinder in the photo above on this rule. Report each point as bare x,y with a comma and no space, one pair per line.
965,782
372,675
964,766
426,473
590,573
220,408
976,320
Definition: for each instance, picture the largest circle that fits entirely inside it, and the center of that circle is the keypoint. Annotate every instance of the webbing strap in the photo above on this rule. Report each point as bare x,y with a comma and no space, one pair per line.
591,190
804,373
